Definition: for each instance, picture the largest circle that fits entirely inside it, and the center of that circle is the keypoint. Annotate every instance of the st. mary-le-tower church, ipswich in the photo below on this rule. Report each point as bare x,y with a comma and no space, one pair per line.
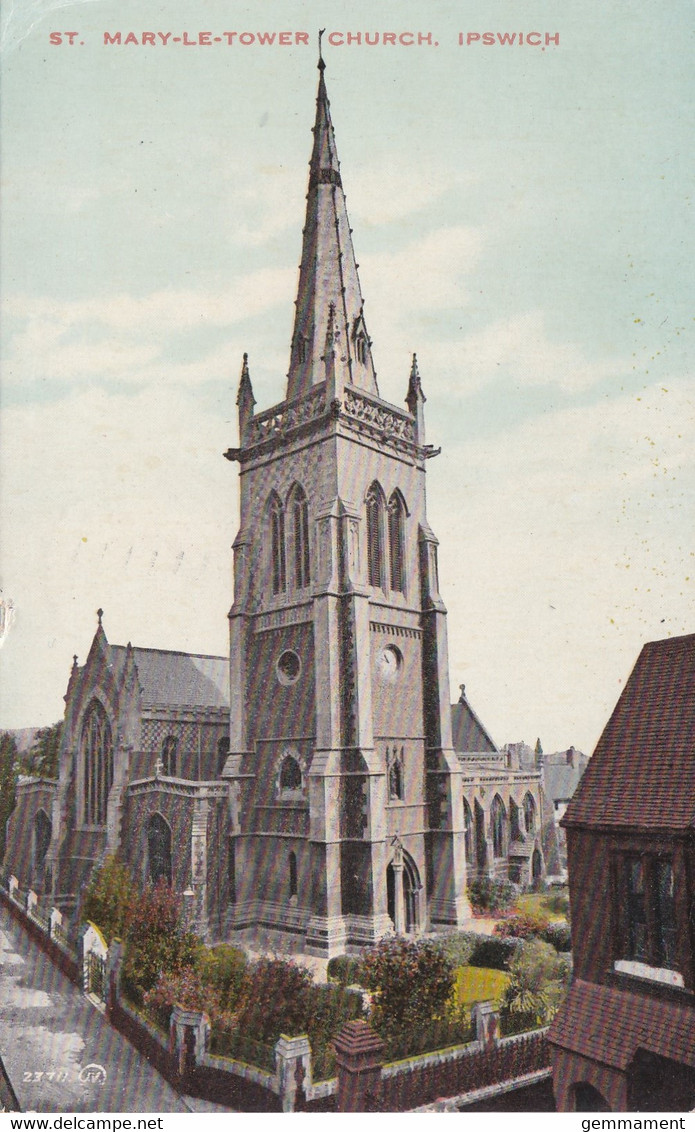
308,790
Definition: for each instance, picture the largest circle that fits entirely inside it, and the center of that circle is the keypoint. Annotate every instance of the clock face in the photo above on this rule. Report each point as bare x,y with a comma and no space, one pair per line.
389,662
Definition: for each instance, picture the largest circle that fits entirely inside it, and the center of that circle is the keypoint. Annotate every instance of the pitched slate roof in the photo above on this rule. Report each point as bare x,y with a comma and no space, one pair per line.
469,735
642,773
610,1025
180,679
560,780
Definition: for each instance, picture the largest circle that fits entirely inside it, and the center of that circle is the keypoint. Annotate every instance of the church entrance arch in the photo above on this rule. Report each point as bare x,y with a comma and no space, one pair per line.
403,892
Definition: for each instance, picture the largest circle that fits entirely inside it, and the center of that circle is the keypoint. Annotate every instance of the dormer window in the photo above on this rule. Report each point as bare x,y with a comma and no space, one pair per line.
361,349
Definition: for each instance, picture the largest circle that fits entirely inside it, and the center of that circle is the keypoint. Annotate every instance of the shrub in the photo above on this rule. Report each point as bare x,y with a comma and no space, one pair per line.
459,946
558,902
273,999
154,942
412,983
345,969
222,969
559,935
538,980
494,952
328,1008
488,895
522,926
109,898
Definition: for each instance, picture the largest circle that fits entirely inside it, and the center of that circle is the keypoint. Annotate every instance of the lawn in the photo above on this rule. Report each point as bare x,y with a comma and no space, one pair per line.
534,904
479,984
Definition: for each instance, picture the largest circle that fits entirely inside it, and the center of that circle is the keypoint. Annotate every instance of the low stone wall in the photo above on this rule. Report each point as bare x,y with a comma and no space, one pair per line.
58,952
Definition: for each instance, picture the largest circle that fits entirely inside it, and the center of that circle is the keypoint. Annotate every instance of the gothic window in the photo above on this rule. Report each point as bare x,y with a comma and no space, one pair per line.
396,542
648,896
375,536
300,538
159,849
293,874
396,776
498,816
468,832
361,349
169,756
278,577
290,775
96,746
222,752
529,813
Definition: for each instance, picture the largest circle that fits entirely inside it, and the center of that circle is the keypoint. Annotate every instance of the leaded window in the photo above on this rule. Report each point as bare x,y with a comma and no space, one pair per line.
96,747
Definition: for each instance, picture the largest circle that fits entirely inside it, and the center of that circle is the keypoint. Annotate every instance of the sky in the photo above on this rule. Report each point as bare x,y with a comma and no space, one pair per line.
522,219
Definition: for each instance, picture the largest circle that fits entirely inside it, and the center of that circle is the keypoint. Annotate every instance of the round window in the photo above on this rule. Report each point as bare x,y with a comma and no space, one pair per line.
288,667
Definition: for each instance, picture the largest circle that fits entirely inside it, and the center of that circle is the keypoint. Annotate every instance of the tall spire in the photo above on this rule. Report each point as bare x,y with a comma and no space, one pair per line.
328,273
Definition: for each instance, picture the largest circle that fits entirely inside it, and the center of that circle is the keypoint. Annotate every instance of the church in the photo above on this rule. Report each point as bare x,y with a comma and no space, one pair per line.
314,789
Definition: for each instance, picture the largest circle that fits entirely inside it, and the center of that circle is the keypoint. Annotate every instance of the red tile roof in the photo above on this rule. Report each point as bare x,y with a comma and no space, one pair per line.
611,1025
642,773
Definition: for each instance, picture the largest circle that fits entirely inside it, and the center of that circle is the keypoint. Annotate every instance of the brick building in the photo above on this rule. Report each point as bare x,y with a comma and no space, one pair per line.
624,1040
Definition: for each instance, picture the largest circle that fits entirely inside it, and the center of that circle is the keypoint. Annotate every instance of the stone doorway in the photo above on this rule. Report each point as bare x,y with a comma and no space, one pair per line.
402,893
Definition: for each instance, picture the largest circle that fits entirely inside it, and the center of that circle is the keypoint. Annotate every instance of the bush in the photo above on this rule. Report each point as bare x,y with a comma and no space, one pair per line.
494,952
412,983
154,942
488,895
109,898
522,926
559,935
328,1008
222,969
273,999
559,903
459,946
538,980
345,969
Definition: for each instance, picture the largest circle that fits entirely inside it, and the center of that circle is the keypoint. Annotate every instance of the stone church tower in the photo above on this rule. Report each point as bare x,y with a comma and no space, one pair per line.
347,805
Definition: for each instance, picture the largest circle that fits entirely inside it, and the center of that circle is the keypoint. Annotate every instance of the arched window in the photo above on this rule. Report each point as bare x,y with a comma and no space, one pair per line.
293,874
375,536
290,775
278,578
300,538
397,542
498,815
361,349
96,747
468,832
159,849
169,756
529,813
396,776
222,752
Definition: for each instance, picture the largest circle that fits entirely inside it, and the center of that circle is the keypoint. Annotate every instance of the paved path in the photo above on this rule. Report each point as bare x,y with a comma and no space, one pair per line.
60,1053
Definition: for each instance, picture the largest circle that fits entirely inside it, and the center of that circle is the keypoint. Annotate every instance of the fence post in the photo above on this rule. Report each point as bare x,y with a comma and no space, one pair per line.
112,988
189,1037
14,889
32,901
293,1070
55,922
486,1019
94,955
359,1057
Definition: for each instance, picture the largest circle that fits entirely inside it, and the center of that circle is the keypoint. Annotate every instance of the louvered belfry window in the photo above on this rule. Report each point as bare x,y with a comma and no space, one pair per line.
375,544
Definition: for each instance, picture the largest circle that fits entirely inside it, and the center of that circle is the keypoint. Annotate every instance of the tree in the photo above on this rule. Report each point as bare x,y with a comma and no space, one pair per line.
8,783
41,760
412,983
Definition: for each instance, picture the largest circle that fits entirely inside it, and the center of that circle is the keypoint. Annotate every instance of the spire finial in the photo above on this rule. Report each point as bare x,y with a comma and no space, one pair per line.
100,614
321,64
